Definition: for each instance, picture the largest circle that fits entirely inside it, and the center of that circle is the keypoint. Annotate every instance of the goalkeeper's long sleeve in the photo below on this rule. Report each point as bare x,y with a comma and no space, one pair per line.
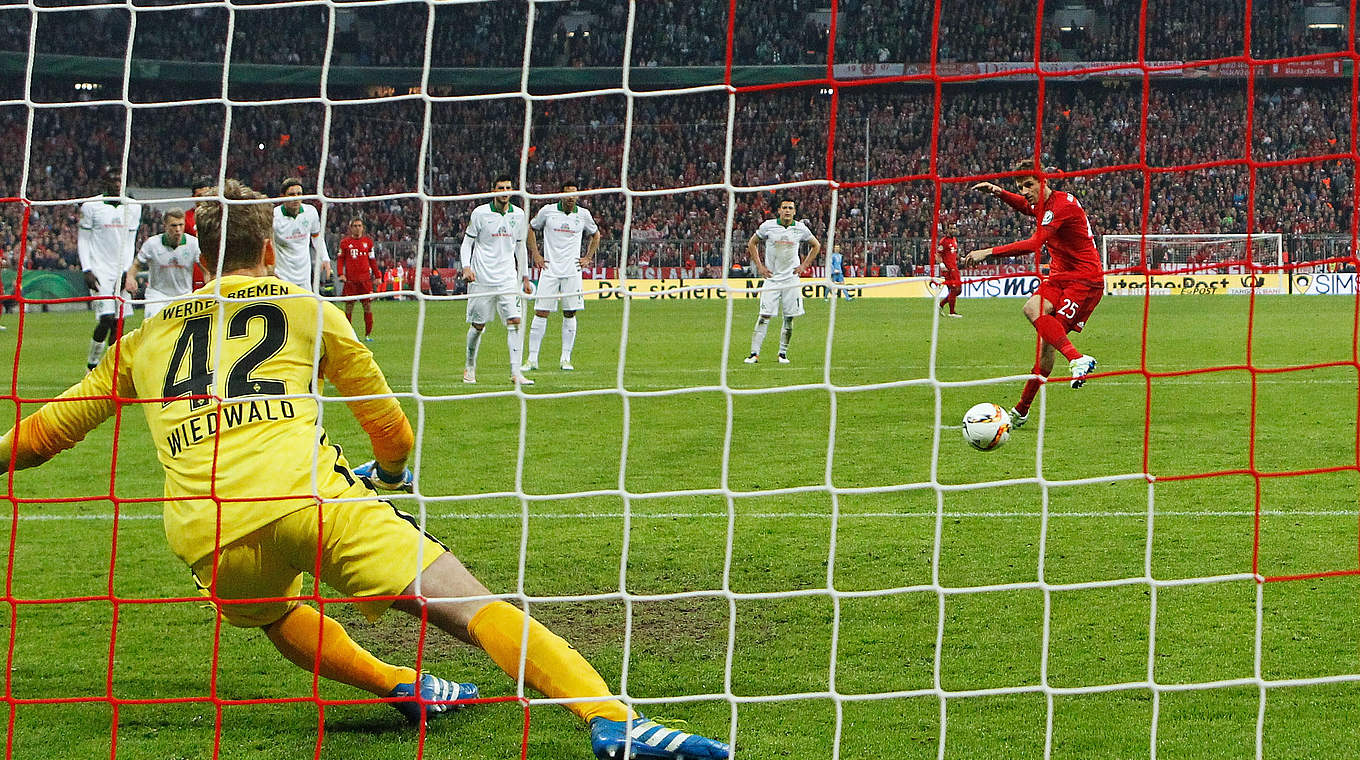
350,366
65,421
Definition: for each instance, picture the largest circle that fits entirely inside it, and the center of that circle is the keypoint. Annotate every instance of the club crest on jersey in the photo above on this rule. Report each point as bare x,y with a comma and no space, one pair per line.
1048,217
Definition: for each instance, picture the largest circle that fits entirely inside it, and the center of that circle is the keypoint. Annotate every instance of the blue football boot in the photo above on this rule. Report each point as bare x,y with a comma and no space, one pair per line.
437,697
651,741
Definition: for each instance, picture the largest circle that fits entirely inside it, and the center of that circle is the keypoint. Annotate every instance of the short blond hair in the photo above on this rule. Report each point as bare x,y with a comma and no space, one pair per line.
248,227
1032,169
173,213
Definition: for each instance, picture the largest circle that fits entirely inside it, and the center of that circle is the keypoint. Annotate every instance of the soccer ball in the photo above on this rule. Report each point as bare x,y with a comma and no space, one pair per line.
986,426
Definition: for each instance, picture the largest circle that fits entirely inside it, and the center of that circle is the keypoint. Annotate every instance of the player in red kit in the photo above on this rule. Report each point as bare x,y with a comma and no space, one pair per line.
1075,281
199,186
358,264
949,264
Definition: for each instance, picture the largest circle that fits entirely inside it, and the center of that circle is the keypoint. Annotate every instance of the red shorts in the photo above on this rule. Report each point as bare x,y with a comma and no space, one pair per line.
357,288
1073,301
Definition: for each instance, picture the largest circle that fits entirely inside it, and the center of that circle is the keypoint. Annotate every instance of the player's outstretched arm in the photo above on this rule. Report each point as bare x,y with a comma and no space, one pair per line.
63,423
1030,245
349,365
1014,200
976,257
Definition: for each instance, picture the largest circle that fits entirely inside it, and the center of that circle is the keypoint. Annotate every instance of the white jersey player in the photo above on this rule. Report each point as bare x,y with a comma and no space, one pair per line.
563,225
169,259
495,264
298,243
781,292
105,244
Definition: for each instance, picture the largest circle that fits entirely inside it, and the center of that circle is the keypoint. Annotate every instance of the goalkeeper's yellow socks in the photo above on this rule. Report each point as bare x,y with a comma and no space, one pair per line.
299,634
551,665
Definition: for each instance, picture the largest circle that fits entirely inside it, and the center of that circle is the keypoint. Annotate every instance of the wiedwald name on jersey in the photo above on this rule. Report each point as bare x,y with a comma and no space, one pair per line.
198,429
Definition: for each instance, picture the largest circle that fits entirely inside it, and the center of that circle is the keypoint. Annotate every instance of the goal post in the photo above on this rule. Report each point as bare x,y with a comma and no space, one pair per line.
1228,253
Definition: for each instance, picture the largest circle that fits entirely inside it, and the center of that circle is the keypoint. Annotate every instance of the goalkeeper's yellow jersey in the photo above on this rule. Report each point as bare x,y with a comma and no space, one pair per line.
230,411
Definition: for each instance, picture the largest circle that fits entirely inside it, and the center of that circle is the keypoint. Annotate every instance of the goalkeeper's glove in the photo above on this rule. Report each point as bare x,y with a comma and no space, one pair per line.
381,480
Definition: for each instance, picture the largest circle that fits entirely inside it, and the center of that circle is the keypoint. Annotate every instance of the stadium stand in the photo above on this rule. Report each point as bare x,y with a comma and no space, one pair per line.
883,131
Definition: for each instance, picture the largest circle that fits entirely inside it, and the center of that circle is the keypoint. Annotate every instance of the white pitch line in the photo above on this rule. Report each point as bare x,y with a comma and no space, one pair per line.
791,515
1176,380
1284,378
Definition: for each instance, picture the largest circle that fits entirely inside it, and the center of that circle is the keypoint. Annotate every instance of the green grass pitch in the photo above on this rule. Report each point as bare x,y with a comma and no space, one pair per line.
872,436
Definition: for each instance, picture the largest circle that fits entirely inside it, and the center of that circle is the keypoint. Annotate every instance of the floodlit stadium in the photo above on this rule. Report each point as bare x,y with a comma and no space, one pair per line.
660,321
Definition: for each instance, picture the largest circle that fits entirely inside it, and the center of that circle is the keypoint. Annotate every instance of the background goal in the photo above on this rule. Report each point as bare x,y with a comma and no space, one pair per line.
1223,253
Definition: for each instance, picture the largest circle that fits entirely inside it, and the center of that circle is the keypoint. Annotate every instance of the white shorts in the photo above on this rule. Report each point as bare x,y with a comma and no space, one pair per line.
112,285
482,308
786,297
154,301
550,290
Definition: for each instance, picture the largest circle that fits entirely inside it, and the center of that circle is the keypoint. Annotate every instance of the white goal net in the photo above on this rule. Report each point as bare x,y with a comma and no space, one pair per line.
804,559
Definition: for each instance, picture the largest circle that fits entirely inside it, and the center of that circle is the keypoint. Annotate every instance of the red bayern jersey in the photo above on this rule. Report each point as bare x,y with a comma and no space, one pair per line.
1065,231
357,260
191,228
949,257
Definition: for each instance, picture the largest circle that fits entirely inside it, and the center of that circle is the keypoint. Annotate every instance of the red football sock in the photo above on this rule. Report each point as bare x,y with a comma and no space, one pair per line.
1051,330
1031,390
954,292
368,323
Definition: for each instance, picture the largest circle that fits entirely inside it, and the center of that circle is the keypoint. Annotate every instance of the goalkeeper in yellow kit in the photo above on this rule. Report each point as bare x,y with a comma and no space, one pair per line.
225,384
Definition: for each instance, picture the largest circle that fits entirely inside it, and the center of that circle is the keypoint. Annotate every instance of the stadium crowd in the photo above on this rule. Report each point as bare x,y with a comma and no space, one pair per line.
672,33
780,136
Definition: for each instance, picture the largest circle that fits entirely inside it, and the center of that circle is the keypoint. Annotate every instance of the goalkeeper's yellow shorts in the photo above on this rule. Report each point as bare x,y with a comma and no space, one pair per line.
368,549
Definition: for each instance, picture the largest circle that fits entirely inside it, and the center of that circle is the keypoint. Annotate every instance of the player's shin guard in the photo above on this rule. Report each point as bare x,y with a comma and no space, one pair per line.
568,336
320,645
537,329
1031,390
1051,330
758,337
515,342
785,334
474,342
368,322
97,347
551,665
